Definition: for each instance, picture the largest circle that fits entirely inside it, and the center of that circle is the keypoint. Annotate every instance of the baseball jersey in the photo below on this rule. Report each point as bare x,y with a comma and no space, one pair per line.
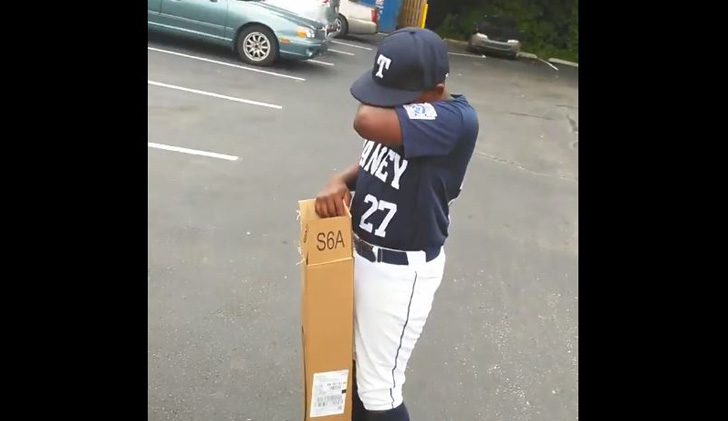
402,197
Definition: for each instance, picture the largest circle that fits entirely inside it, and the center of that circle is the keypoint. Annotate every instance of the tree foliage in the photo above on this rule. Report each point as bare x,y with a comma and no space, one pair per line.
550,27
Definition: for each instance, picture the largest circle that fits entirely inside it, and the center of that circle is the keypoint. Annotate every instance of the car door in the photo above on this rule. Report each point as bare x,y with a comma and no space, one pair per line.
153,9
200,17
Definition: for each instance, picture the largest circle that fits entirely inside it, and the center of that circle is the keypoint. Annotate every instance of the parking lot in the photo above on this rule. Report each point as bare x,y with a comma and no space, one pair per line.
232,148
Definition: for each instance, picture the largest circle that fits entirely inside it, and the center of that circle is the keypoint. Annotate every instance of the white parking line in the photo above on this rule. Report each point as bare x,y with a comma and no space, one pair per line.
341,52
214,95
174,53
192,151
321,62
350,45
466,55
544,61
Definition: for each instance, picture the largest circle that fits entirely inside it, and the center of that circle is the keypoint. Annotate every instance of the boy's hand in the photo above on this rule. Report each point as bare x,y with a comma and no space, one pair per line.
332,199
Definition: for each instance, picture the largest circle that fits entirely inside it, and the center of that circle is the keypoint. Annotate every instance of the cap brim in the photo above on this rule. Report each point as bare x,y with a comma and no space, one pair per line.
369,92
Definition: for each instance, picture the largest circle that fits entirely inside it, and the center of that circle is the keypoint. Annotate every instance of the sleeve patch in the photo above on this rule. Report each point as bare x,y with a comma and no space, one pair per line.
424,111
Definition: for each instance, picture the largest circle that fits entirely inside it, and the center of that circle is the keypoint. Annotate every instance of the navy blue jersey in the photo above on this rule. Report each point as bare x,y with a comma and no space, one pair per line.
402,197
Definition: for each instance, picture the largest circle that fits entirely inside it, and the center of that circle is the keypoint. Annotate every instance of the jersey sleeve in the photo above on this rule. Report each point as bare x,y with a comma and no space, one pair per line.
429,129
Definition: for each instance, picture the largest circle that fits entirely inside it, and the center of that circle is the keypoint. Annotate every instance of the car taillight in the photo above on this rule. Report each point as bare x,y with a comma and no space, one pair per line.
325,2
375,15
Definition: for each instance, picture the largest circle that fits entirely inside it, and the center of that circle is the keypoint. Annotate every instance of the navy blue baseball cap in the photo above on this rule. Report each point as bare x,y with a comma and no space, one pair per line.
408,62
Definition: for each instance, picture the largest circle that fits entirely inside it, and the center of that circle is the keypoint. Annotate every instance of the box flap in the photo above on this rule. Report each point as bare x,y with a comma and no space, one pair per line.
324,240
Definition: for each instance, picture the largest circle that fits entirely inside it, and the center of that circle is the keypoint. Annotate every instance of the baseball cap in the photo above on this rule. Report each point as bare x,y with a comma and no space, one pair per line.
408,62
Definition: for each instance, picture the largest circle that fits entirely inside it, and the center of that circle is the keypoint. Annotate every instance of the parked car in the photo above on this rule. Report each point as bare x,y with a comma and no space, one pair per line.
323,11
341,17
259,33
495,34
355,17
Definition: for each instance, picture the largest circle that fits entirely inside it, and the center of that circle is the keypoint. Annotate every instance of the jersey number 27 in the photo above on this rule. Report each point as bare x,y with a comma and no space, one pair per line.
375,205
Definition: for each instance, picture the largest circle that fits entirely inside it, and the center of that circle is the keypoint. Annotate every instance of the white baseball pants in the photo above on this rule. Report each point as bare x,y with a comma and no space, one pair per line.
391,305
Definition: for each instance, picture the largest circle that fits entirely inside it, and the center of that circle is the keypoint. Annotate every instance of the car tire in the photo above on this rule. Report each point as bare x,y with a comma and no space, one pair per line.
257,45
343,26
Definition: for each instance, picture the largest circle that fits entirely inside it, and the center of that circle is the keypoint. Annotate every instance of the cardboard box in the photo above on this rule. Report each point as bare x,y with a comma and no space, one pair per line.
327,314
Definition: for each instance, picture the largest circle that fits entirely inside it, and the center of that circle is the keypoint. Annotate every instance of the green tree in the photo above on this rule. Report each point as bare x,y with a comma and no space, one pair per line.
550,27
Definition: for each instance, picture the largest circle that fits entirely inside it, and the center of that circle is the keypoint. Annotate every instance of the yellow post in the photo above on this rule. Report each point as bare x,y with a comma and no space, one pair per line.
424,15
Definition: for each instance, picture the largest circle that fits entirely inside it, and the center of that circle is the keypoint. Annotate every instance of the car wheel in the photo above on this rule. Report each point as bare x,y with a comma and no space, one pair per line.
342,27
257,45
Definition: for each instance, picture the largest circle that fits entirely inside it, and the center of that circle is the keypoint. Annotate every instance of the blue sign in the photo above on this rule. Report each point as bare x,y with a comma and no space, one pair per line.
388,13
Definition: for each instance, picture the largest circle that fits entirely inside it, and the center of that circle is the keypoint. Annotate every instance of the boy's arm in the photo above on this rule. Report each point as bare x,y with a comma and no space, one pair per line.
330,201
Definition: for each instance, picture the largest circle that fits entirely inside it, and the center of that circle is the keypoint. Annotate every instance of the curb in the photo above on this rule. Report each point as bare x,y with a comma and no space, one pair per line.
523,54
456,42
564,62
527,55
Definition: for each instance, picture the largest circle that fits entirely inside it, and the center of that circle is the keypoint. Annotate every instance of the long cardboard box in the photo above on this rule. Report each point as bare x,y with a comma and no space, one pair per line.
327,314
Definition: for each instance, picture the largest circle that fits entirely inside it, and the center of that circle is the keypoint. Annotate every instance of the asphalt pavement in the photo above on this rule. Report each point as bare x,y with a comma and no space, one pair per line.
232,150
